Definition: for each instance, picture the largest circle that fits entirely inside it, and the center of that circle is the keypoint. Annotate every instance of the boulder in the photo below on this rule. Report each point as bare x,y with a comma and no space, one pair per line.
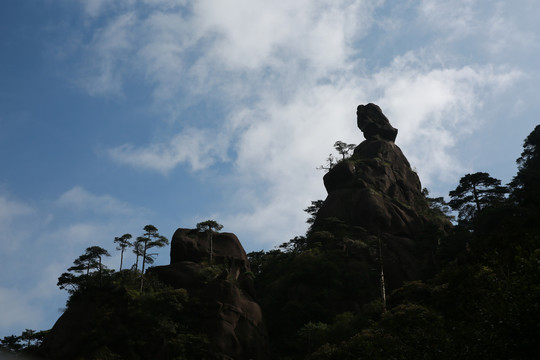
229,315
193,245
372,122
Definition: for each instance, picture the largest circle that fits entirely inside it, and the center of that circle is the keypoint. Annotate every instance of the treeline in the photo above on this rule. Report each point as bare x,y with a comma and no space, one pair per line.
88,269
88,272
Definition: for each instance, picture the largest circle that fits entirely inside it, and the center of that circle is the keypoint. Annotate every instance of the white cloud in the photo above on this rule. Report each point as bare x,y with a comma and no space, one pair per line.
255,34
10,209
199,148
13,214
280,144
106,63
168,47
79,199
435,107
455,19
17,310
291,75
95,8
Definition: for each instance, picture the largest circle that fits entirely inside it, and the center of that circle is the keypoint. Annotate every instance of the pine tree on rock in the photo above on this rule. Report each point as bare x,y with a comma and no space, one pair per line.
209,226
343,148
91,259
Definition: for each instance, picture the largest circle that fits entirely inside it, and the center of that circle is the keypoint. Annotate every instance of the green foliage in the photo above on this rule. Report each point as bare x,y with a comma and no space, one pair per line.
301,285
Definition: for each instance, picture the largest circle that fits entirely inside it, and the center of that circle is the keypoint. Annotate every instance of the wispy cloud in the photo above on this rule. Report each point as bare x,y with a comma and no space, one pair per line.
434,107
105,64
17,310
13,214
79,199
10,209
198,147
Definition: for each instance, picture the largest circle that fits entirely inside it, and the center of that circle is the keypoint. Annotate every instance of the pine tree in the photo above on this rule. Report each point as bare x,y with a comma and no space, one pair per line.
209,226
150,239
474,193
123,242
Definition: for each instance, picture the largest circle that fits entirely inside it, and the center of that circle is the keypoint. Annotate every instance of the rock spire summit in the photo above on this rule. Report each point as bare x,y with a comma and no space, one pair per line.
374,124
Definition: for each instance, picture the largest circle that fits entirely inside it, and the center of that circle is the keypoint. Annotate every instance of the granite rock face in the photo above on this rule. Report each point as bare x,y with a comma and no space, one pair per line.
229,315
377,191
190,245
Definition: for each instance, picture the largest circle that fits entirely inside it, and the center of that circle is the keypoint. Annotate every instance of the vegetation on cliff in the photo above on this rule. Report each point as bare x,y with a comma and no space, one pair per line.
479,301
321,294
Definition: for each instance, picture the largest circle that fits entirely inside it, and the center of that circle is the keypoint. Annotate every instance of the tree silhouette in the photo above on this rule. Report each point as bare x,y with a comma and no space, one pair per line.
312,210
91,259
138,251
69,282
526,184
28,335
11,344
438,205
330,163
150,239
96,253
209,226
343,148
474,192
123,242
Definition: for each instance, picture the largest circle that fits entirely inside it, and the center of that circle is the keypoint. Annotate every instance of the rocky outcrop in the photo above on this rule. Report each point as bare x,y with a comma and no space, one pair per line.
372,122
377,191
229,315
209,312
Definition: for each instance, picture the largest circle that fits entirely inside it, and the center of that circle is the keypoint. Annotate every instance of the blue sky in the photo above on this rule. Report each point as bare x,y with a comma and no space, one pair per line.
115,114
